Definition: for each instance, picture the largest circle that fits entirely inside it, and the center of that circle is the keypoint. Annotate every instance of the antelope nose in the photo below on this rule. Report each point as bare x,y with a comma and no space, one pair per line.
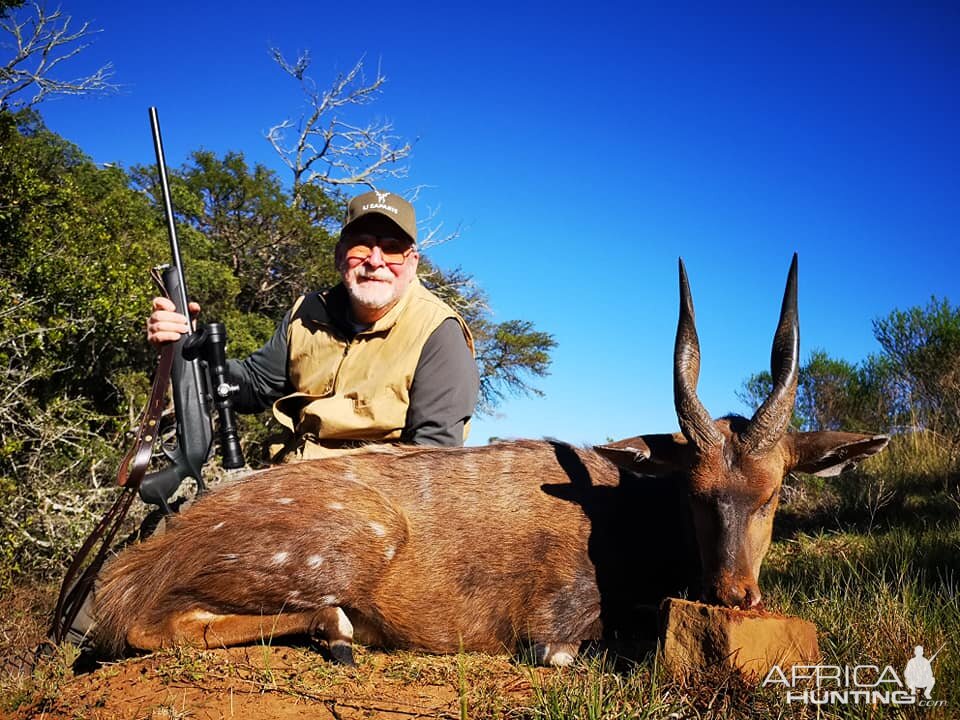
740,594
752,598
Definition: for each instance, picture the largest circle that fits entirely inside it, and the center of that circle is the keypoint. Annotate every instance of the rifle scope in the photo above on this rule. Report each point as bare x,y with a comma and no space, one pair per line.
208,343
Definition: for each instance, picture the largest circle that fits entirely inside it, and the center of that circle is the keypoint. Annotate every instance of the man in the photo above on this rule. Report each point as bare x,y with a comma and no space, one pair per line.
377,358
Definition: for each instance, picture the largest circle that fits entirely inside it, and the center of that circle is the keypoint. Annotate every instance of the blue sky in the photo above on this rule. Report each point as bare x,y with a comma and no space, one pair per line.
584,148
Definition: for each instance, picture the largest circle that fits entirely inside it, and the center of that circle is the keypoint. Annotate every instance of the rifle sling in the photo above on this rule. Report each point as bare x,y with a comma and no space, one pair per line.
134,464
132,469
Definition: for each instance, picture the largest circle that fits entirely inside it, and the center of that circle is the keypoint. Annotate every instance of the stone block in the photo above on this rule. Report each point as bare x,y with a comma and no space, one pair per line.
695,637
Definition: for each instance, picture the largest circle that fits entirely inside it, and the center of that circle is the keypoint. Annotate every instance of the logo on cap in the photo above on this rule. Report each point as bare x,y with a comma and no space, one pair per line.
385,203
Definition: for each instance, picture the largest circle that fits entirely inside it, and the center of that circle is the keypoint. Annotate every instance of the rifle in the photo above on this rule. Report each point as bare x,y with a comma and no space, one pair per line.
194,364
199,367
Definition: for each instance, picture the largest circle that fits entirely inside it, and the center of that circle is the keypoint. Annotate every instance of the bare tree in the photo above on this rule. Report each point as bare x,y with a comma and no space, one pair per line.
328,150
330,153
41,42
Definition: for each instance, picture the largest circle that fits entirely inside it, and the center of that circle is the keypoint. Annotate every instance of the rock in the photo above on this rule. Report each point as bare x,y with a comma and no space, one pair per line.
695,637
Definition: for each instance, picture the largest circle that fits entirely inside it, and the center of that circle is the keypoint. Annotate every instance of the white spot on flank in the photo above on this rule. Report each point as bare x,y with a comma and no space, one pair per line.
391,551
279,558
285,501
314,561
218,525
378,529
329,600
335,506
426,488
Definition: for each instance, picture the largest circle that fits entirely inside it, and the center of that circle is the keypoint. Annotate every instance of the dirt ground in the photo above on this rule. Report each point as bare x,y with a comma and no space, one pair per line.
262,681
282,682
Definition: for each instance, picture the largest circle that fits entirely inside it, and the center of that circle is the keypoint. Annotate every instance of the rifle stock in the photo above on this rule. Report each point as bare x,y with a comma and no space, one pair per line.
191,402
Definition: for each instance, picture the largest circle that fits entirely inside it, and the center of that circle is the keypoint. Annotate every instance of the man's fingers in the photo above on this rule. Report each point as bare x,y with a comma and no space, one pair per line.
162,303
167,319
160,337
165,304
165,326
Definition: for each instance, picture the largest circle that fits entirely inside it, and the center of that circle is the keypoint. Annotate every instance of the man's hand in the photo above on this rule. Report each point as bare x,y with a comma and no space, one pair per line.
165,324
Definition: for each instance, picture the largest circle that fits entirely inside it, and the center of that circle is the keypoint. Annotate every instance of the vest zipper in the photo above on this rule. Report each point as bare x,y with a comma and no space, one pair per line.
336,375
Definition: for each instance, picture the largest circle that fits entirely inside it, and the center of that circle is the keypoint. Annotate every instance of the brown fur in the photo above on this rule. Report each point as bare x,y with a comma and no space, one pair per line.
471,531
480,548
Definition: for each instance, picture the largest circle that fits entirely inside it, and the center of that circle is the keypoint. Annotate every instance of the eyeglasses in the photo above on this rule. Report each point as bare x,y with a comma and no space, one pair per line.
394,251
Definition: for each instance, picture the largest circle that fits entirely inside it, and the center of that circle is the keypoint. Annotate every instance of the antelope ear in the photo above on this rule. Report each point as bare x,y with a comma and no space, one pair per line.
830,453
649,454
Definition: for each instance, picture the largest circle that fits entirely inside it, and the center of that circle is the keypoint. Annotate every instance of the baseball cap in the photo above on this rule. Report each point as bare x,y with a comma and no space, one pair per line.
391,206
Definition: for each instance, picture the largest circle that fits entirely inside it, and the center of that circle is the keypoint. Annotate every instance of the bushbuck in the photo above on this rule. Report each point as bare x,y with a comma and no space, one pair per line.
526,543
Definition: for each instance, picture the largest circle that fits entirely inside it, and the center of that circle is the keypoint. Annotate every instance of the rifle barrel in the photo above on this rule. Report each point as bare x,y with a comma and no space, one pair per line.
181,301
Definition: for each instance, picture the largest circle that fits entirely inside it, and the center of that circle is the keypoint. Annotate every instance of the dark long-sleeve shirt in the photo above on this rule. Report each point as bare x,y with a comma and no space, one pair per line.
443,395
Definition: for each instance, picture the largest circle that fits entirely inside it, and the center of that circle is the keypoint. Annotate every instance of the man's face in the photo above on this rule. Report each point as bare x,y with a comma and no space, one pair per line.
377,263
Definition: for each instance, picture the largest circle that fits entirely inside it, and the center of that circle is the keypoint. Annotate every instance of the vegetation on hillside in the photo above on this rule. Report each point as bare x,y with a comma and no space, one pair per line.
913,384
78,243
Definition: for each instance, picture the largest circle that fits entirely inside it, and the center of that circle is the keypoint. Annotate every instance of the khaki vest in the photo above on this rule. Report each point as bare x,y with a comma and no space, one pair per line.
351,392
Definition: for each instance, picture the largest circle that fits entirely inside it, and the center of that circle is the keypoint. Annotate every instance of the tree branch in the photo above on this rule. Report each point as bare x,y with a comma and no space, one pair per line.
328,149
44,41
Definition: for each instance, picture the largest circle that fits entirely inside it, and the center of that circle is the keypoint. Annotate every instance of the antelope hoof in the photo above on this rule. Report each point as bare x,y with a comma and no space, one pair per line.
555,654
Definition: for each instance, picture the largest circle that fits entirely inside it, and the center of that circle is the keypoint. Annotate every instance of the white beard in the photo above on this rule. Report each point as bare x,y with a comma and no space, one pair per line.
373,295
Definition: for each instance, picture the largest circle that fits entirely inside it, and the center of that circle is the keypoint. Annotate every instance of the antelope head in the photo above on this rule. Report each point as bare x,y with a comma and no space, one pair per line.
734,467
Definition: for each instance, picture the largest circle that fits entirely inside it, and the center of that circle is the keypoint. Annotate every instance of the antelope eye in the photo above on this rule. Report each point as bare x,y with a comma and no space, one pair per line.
769,501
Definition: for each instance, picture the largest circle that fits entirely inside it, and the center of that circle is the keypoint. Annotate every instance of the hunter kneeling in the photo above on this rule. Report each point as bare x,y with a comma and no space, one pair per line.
378,358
